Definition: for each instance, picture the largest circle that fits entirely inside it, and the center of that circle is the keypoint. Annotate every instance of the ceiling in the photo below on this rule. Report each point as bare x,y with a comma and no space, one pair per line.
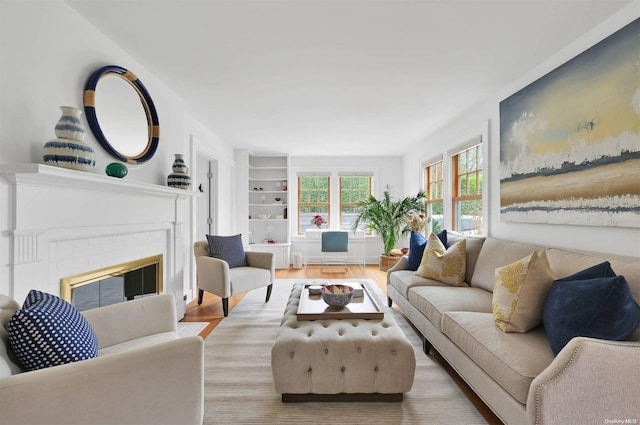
338,77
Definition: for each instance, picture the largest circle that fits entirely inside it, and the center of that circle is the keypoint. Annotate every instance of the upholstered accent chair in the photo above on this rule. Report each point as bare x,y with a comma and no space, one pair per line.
215,276
143,373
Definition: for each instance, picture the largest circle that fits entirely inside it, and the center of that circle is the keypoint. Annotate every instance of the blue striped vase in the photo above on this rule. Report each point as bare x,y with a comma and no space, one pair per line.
68,150
180,178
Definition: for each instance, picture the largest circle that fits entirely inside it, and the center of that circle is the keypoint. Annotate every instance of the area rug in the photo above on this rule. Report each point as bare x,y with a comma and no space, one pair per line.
239,386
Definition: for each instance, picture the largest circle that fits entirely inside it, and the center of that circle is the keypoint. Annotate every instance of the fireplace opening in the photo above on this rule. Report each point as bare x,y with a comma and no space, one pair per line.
114,284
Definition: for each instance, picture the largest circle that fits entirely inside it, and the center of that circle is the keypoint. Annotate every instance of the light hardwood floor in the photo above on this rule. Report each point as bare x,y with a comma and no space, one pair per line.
211,311
211,308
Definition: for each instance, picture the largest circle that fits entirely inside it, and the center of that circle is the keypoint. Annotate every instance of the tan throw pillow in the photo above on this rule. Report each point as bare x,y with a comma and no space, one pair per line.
519,292
444,265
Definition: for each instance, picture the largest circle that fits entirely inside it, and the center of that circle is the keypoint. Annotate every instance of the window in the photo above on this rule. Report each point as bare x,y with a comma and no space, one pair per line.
352,190
467,190
434,202
313,199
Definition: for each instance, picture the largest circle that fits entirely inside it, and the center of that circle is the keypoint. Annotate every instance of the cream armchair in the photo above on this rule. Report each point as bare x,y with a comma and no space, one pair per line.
144,373
215,276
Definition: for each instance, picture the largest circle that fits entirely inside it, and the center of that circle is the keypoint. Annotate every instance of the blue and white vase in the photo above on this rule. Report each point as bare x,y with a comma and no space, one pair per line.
180,178
68,150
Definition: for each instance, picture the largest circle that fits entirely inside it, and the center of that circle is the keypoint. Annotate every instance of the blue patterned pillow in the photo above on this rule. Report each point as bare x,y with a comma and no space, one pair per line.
417,242
229,249
591,303
49,331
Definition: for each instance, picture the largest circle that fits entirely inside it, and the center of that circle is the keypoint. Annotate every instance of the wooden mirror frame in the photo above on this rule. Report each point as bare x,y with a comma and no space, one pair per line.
149,109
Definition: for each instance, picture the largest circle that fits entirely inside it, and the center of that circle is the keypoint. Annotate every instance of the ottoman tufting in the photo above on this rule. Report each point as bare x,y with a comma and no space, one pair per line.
340,360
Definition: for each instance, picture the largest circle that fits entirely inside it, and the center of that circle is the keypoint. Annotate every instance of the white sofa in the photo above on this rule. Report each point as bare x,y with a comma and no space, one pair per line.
516,374
144,373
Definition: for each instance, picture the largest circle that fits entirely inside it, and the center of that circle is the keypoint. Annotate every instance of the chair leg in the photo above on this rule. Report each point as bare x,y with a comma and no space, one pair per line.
269,288
225,306
200,295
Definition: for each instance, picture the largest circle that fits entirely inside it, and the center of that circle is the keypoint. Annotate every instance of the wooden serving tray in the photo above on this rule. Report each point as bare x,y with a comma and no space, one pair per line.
312,307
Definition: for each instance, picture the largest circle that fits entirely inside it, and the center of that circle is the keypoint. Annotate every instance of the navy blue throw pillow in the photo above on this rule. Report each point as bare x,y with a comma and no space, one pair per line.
443,238
417,242
593,272
229,249
602,308
49,331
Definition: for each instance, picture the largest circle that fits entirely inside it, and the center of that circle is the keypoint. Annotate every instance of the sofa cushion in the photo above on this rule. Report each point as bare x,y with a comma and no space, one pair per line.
520,291
229,249
417,243
474,246
497,253
513,360
49,331
243,279
601,307
434,301
442,264
403,280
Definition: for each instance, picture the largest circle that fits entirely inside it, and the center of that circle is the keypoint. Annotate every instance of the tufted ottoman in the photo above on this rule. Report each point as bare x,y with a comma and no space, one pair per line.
340,360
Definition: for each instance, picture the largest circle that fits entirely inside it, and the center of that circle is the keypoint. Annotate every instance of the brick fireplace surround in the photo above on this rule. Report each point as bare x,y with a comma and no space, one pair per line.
65,222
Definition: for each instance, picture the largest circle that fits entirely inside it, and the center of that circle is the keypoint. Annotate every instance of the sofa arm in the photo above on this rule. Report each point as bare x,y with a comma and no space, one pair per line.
400,265
262,260
589,381
158,384
134,319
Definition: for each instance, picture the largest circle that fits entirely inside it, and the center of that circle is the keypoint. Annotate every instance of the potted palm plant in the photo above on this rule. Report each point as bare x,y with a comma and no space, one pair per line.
387,218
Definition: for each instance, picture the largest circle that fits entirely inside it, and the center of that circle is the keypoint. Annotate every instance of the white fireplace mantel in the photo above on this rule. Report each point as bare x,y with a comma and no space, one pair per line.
63,222
46,175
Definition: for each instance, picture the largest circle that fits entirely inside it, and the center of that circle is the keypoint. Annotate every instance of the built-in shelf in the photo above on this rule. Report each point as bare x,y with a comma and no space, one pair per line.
267,185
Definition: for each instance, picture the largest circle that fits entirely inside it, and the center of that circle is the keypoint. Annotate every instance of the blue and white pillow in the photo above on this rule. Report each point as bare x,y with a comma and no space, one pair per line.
49,331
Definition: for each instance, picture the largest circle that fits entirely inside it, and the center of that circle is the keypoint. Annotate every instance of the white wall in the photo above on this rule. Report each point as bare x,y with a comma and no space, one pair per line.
612,240
48,53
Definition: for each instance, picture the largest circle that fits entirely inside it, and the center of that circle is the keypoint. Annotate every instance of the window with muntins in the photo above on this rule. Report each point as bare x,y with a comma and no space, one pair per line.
434,203
352,190
467,190
313,199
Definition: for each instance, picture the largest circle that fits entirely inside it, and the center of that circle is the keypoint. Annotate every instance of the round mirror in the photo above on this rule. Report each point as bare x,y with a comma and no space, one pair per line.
121,114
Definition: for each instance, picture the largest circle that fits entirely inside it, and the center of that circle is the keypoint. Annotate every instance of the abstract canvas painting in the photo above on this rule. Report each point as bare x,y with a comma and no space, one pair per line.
570,141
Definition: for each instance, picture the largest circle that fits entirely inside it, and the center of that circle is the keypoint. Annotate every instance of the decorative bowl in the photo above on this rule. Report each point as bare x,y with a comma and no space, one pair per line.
337,295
